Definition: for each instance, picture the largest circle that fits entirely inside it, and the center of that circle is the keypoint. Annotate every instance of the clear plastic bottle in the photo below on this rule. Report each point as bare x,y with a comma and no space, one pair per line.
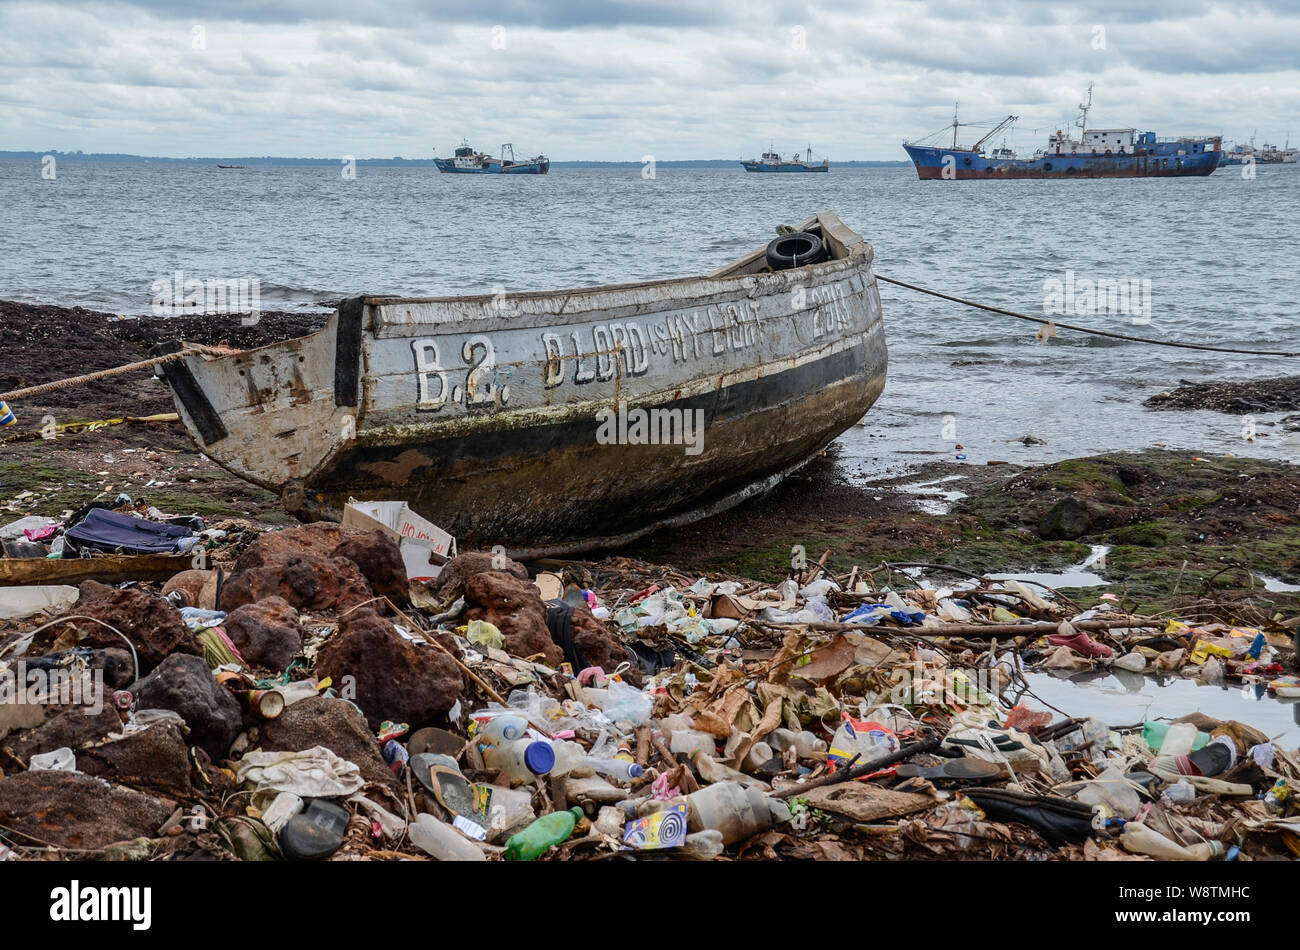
521,760
620,769
733,810
506,727
692,743
703,845
442,841
568,756
805,743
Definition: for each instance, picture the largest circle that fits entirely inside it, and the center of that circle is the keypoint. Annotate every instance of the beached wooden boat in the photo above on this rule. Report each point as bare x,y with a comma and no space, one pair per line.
560,421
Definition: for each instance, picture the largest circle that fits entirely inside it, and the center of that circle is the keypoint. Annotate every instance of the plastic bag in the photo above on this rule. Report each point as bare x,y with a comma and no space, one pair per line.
627,704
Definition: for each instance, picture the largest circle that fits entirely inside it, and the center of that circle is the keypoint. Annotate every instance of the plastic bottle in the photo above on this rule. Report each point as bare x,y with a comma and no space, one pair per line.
1113,789
521,760
671,725
1140,839
733,810
805,743
568,756
620,769
1179,793
501,729
542,835
442,841
1156,735
703,845
692,743
760,753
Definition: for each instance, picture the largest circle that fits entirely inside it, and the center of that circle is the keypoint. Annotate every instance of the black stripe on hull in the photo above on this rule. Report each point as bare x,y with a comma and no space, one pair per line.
554,485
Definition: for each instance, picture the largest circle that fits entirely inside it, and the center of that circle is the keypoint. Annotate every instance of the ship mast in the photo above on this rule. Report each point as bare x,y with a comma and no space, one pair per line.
1083,119
954,125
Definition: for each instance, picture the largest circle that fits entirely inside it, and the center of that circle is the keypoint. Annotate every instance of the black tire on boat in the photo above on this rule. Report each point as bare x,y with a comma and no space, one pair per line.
795,250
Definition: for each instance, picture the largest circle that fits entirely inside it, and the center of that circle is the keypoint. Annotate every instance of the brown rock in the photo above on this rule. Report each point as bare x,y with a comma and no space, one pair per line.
71,728
380,562
190,584
266,633
155,760
394,678
71,810
516,607
273,547
331,723
305,581
186,686
153,626
450,584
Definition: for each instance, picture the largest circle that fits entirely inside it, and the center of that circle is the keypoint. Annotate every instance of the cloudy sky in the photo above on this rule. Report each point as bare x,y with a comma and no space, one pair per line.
620,79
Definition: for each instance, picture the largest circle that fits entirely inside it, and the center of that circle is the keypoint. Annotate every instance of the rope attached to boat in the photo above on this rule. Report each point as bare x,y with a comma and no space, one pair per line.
190,349
1068,326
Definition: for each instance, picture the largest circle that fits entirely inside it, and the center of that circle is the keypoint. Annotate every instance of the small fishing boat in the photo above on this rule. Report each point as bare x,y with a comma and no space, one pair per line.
466,161
772,162
554,422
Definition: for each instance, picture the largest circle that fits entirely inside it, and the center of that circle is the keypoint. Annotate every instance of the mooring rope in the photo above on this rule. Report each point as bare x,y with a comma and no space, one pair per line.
1068,326
189,350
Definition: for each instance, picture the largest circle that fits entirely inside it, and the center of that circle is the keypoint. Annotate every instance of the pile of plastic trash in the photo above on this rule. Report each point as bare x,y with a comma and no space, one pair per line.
302,700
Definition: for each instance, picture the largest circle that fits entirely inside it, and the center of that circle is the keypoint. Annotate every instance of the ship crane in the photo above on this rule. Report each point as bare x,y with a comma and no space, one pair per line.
994,131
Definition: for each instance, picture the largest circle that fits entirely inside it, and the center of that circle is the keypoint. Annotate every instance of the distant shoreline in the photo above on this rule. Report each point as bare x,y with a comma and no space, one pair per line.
396,162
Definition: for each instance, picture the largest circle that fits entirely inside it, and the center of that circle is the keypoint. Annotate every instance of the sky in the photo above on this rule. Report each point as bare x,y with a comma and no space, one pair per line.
618,80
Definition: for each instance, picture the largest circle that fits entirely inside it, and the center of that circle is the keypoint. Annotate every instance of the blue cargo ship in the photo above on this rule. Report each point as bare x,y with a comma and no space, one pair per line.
772,162
1097,153
466,161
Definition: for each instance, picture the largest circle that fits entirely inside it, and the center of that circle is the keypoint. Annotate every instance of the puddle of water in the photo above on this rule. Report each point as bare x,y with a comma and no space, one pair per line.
935,506
1077,576
1275,585
1121,698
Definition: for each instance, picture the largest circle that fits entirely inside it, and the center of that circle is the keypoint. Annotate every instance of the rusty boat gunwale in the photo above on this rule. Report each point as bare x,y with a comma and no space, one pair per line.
480,411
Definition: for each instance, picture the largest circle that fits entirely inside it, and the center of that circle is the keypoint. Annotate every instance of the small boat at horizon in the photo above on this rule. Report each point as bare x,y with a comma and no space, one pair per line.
230,166
467,161
1097,153
531,421
771,161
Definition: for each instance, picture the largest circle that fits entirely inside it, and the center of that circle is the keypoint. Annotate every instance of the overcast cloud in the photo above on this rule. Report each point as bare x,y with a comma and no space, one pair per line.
592,79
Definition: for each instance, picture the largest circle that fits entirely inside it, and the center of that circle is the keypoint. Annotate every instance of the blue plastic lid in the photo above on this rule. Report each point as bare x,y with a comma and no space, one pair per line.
539,757
635,771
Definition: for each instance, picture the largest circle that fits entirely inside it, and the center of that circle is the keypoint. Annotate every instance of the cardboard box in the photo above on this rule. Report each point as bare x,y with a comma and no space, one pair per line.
425,547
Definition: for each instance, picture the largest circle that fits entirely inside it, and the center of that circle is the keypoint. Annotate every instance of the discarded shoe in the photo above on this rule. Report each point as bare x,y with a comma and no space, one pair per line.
316,833
1217,757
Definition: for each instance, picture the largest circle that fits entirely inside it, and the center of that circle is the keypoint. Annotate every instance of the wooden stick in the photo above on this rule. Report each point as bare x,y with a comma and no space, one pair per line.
857,771
642,746
1036,629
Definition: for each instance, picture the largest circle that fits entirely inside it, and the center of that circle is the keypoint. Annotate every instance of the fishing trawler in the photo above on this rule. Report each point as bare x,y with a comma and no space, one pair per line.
1096,153
466,161
1265,155
772,162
